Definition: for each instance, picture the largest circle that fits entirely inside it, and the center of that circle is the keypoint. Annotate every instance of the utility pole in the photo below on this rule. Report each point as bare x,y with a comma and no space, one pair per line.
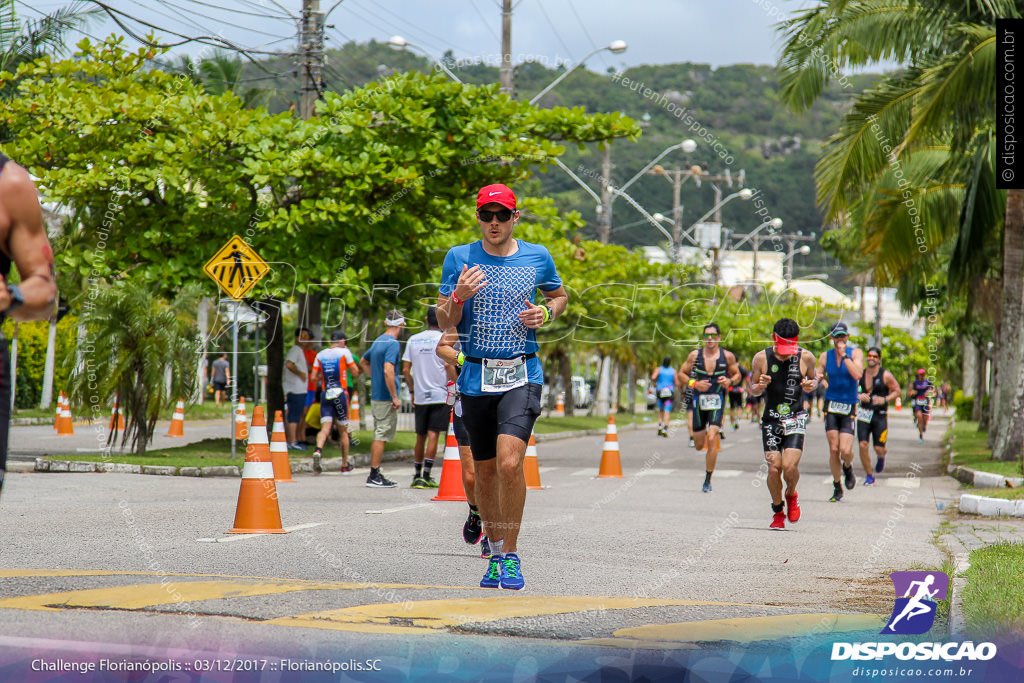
311,56
604,228
506,46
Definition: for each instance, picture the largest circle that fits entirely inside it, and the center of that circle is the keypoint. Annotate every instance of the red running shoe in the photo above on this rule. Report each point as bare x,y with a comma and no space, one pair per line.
778,521
793,507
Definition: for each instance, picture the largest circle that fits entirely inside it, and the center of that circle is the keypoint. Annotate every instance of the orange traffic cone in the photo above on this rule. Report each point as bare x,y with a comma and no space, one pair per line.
116,416
899,404
451,487
279,450
531,468
241,432
353,411
177,427
611,467
257,511
56,416
559,405
64,426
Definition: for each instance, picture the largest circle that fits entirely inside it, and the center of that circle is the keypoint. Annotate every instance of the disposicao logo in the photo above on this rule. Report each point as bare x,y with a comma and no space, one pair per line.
914,612
917,595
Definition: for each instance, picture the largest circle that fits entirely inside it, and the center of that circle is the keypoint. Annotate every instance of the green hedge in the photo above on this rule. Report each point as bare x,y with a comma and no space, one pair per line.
32,341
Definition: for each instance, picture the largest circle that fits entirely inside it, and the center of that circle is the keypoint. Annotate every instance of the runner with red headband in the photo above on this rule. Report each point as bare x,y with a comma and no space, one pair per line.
782,373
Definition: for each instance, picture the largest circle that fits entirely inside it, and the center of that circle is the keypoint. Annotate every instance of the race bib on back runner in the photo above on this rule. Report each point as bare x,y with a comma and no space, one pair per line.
665,393
502,374
837,408
332,394
710,401
865,414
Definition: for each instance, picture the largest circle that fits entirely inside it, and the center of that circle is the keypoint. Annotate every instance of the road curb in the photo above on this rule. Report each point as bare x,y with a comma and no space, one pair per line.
981,479
305,465
991,507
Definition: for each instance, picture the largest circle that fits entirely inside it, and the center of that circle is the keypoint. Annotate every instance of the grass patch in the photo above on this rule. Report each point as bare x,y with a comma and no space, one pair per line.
553,425
970,449
1004,493
993,601
213,452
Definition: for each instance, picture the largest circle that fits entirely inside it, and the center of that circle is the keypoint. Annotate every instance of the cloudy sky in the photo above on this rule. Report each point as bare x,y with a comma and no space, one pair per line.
716,32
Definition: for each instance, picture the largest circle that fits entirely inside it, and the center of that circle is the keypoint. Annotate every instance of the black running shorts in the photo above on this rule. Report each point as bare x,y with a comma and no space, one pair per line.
512,412
735,399
877,429
461,435
432,417
774,437
839,423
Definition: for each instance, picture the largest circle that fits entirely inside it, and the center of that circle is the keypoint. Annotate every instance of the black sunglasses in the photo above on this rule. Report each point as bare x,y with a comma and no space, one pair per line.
502,214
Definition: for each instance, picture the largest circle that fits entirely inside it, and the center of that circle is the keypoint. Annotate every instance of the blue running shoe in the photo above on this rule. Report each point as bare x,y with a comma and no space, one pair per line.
869,480
511,575
707,487
880,465
492,579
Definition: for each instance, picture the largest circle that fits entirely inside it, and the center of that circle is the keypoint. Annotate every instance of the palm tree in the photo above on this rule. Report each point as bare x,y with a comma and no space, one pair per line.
222,73
24,42
941,98
133,337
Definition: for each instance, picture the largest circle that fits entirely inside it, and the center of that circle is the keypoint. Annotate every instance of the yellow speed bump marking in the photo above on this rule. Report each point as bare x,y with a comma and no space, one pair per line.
743,630
140,596
443,614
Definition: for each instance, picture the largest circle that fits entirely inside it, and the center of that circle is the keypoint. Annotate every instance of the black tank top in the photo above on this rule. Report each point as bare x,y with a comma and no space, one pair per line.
783,395
878,388
699,373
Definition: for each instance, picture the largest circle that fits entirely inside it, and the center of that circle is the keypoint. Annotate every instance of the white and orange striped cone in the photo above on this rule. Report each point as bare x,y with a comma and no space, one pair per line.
241,432
353,411
279,450
64,425
531,468
56,415
257,511
611,466
559,405
450,487
177,427
899,404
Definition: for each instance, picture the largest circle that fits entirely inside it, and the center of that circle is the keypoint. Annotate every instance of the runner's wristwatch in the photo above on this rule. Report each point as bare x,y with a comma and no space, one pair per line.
551,313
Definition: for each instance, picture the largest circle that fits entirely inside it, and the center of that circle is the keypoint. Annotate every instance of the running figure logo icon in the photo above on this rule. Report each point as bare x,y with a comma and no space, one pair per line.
914,612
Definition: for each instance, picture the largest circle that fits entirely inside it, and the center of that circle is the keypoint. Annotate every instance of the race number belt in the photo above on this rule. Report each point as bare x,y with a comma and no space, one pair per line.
502,374
794,425
865,414
665,392
332,393
837,408
710,401
921,401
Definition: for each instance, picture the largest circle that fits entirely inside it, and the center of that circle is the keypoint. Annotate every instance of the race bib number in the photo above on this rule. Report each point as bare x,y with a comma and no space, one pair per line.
332,394
865,414
921,402
502,374
710,401
837,408
665,392
794,425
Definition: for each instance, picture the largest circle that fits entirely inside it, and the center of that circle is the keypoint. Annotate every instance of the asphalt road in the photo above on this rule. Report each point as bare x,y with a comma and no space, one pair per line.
611,565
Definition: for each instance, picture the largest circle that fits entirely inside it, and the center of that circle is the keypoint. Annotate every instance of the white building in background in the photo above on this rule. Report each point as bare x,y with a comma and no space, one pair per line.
737,268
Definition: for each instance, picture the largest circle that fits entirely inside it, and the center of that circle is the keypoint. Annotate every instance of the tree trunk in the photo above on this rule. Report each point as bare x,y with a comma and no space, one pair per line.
968,371
979,385
202,321
274,330
616,388
565,370
1009,438
631,388
603,390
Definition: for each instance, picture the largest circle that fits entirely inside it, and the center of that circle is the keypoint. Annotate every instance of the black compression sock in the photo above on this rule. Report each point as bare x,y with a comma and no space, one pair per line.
707,477
776,508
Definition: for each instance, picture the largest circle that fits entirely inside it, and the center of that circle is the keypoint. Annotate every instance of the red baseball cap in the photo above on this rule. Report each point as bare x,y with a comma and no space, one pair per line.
499,194
921,371
786,346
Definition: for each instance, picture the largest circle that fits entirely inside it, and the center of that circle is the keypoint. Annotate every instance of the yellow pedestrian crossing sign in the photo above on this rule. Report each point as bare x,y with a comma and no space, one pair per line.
236,268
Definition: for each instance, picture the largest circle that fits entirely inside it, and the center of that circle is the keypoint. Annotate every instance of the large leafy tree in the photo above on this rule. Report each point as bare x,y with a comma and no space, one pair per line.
935,116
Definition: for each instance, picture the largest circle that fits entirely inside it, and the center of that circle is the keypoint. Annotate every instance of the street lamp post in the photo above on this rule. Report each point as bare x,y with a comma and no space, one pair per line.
616,46
775,224
789,257
402,43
